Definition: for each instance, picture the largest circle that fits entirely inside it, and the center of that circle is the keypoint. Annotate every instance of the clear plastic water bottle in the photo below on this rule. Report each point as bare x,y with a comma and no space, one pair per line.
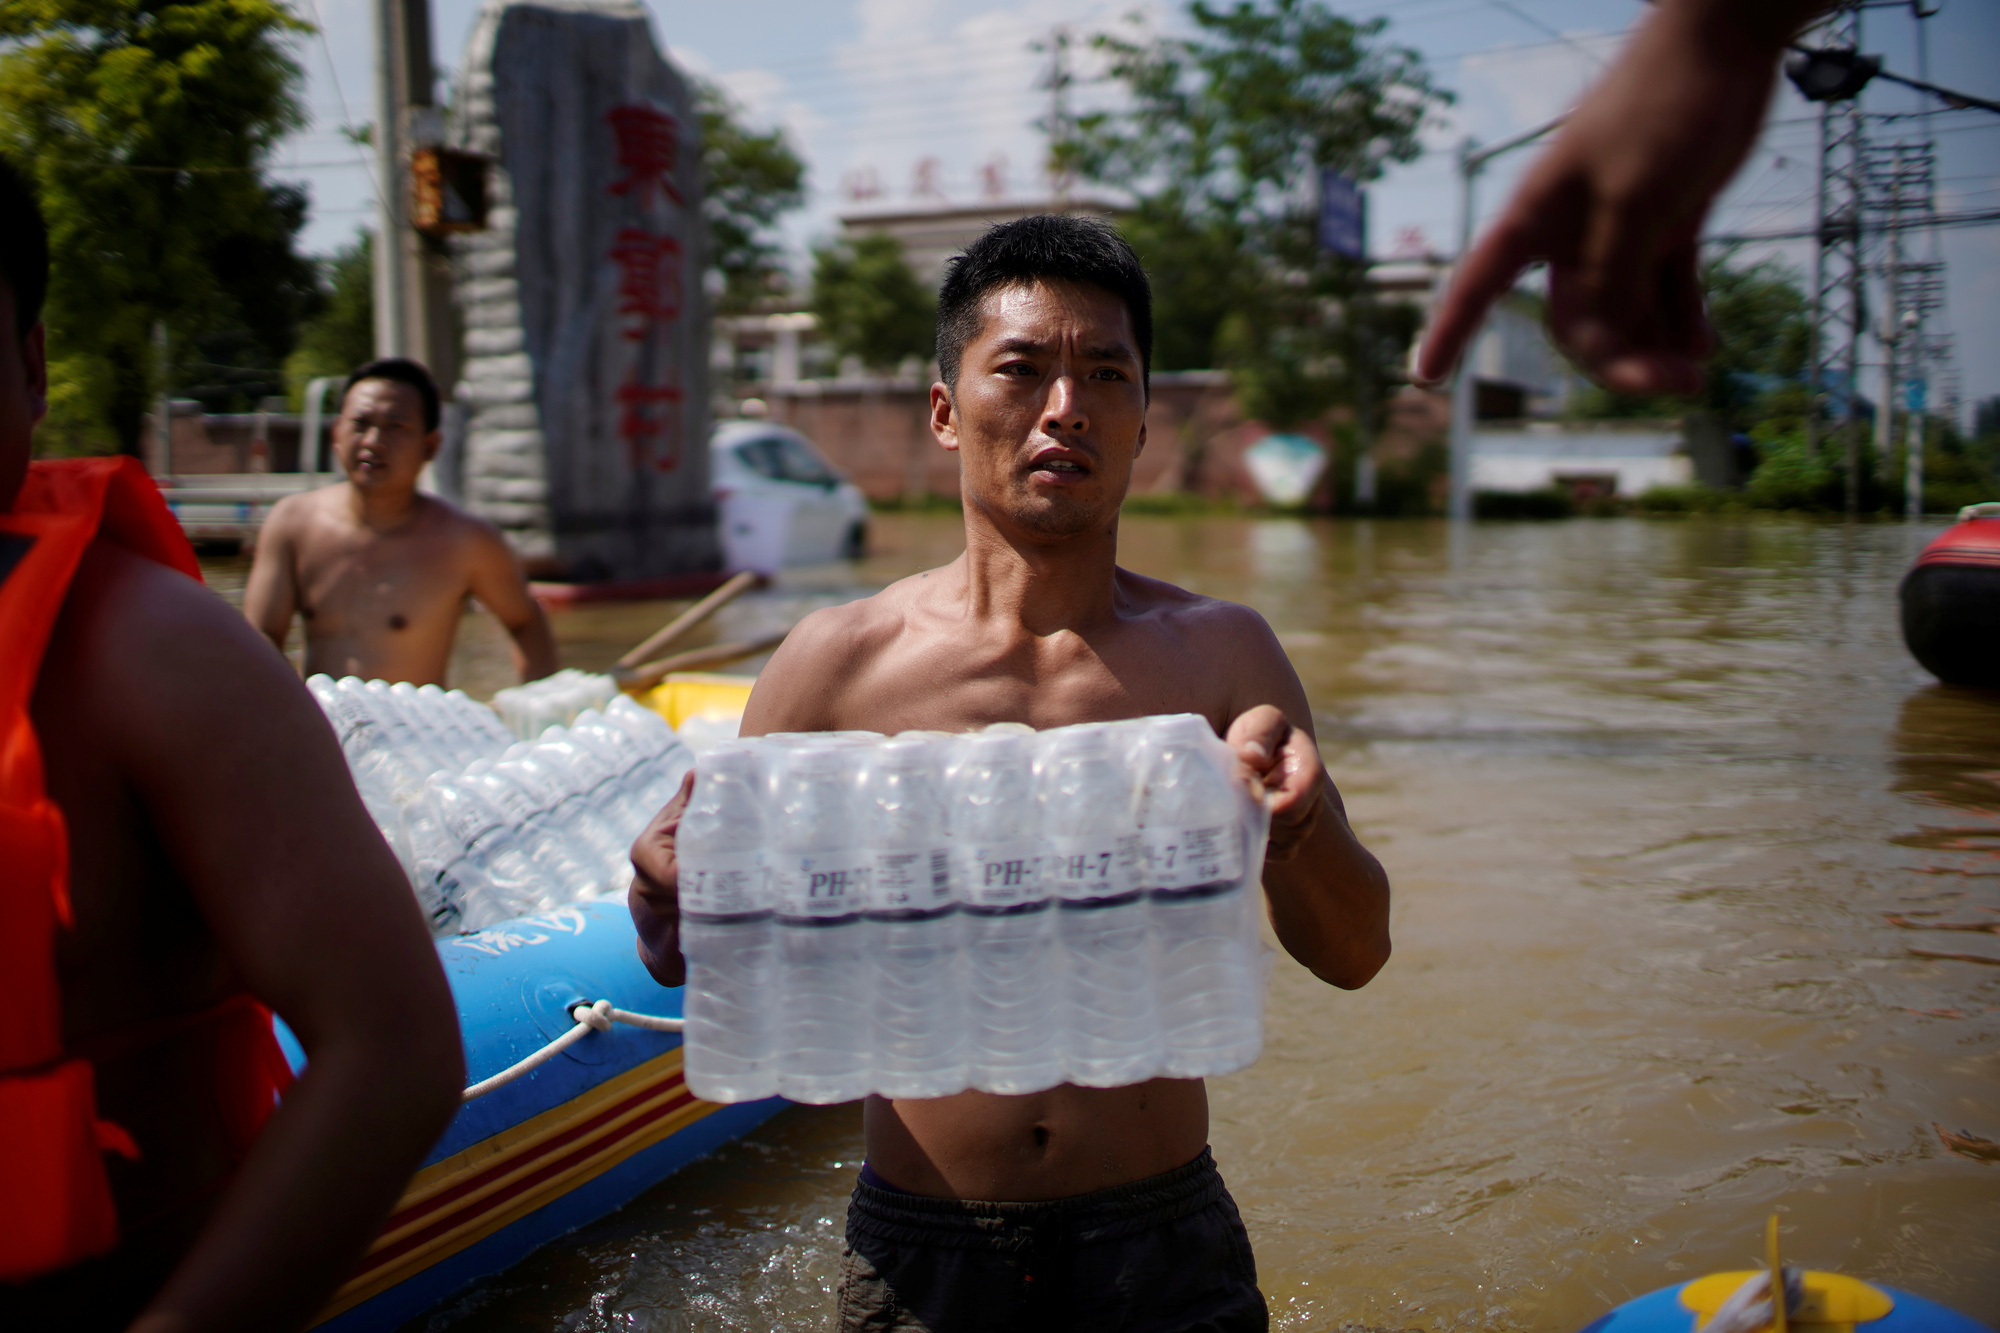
819,883
666,760
481,723
547,769
388,752
1110,1014
467,847
621,754
919,1013
1192,820
600,823
727,932
559,876
1013,1045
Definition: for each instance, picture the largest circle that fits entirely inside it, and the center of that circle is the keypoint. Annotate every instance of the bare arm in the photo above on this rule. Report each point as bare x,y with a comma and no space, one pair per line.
1329,897
501,587
270,598
1616,204
244,782
654,898
793,693
799,688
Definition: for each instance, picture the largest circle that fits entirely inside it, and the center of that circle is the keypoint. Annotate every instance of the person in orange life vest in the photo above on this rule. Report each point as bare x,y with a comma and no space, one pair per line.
180,845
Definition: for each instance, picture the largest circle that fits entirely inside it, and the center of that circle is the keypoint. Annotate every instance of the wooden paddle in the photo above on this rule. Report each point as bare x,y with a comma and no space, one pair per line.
638,678
677,628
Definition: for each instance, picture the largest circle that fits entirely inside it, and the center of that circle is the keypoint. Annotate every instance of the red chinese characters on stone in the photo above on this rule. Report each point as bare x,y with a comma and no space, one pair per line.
650,291
649,280
649,422
648,148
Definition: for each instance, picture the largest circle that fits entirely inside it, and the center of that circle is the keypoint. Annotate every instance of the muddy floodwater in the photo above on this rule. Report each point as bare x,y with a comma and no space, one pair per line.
1697,918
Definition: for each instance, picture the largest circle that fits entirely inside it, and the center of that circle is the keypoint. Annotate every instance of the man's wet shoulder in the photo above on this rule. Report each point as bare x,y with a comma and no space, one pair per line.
1142,595
857,625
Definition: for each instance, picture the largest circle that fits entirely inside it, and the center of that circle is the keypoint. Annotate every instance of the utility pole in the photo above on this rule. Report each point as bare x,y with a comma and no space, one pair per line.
1839,313
1913,458
412,281
1888,176
1057,80
1364,397
1472,160
162,462
1464,386
392,197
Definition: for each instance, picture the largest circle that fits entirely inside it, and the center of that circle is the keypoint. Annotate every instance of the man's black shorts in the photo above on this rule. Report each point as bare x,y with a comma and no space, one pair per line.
1162,1255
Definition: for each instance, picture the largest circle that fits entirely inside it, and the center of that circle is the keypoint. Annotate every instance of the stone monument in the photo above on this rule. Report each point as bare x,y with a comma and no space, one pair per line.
586,332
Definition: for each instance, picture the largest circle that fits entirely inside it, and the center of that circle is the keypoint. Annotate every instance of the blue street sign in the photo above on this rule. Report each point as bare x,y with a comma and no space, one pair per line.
1913,395
1343,216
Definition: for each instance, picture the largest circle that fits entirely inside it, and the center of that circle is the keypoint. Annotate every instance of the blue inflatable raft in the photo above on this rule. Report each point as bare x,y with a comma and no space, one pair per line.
1833,1304
557,1147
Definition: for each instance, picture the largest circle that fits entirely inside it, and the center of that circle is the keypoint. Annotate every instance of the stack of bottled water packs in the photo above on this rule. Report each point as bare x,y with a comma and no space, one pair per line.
554,700
489,827
1005,911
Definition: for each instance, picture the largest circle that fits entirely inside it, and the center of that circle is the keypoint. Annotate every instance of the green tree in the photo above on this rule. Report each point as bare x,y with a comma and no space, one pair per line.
1220,140
342,335
752,178
144,125
870,305
1762,328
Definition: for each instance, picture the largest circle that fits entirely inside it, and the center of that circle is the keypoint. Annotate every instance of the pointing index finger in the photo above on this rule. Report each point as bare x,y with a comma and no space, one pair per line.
1482,278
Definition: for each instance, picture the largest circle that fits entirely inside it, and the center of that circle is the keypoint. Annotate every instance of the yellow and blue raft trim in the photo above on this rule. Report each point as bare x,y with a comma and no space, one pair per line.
555,1149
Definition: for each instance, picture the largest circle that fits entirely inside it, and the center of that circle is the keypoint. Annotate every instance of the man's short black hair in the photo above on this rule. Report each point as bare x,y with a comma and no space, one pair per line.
404,371
1032,249
24,247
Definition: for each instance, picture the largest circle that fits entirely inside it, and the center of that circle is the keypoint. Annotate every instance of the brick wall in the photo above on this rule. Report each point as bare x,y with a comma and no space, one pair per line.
878,432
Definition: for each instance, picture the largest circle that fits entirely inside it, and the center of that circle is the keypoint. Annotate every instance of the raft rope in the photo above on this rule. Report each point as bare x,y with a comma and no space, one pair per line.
589,1017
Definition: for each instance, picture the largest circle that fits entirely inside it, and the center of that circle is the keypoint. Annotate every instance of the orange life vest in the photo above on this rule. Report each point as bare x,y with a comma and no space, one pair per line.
56,1206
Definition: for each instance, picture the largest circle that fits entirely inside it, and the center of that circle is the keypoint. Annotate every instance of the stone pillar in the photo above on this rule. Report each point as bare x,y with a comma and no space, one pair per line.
585,372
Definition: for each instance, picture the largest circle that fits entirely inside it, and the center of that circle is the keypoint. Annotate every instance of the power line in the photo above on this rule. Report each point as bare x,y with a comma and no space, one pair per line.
1977,218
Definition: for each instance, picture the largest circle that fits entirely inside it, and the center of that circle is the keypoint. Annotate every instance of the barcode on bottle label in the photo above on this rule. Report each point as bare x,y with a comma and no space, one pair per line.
1001,874
1186,857
724,885
822,884
910,881
1083,868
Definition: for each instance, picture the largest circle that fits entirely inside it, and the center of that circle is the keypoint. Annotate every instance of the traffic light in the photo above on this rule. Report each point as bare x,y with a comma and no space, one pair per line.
1831,75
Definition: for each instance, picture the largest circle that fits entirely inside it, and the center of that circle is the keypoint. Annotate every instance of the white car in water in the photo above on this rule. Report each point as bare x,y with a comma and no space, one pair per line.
779,502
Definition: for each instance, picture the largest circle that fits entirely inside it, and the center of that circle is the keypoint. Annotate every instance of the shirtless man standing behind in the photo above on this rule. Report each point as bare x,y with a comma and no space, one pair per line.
1076,1207
379,571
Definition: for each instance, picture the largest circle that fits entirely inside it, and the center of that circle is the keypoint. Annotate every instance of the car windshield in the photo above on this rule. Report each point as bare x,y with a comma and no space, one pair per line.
785,458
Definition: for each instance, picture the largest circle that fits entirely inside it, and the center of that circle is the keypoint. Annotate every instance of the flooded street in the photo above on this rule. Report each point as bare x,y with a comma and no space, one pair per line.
1697,916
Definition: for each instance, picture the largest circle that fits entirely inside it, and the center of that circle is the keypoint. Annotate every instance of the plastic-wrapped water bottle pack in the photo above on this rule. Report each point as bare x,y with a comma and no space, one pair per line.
554,700
488,827
1007,911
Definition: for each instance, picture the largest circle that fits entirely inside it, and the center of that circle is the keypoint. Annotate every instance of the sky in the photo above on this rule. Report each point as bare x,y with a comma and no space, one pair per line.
869,90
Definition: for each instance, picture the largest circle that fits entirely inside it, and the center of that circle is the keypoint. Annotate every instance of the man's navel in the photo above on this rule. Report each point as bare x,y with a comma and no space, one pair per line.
399,621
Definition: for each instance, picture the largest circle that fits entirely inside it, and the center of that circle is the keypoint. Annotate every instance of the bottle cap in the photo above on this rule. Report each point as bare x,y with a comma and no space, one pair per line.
817,760
998,747
1182,729
905,752
730,761
1083,738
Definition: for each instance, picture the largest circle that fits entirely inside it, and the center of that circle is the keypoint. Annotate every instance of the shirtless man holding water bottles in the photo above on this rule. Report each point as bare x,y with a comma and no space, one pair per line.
1074,1207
